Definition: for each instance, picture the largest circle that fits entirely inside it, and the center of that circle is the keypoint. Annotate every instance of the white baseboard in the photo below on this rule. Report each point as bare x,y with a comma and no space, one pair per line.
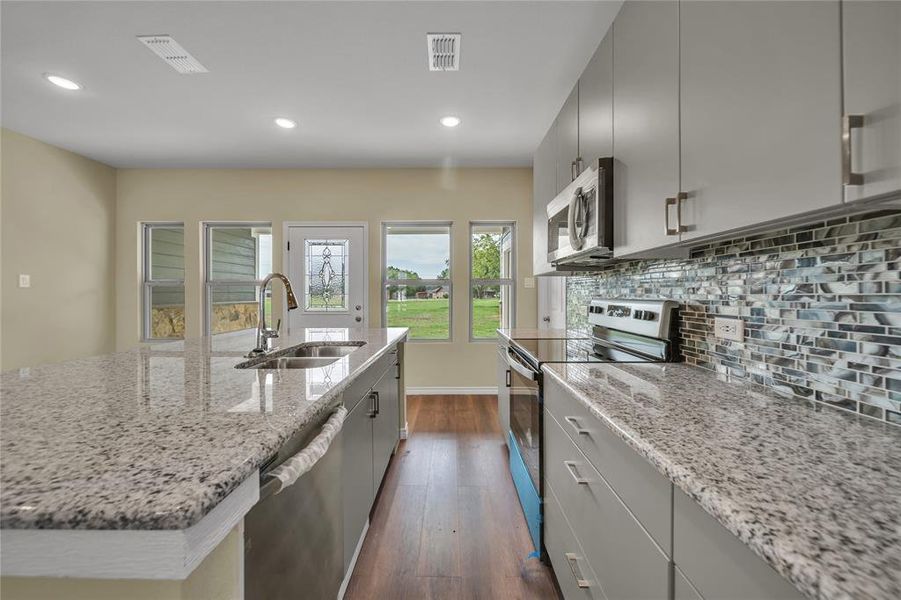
450,391
405,431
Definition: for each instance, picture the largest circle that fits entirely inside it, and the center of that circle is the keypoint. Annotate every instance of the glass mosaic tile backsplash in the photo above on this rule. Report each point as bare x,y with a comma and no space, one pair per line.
821,305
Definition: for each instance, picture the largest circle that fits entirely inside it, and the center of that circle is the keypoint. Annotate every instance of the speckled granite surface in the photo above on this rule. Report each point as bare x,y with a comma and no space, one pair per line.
542,334
155,437
814,491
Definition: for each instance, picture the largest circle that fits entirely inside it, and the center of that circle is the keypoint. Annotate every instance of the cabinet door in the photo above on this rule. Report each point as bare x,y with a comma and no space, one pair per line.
761,91
356,474
503,390
596,104
385,426
645,123
567,139
872,51
544,188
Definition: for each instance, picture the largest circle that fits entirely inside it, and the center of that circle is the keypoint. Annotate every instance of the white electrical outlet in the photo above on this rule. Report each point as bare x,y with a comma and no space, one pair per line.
729,329
24,280
528,282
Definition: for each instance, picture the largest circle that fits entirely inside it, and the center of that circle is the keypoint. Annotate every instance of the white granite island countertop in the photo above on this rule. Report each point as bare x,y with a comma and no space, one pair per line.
154,438
813,490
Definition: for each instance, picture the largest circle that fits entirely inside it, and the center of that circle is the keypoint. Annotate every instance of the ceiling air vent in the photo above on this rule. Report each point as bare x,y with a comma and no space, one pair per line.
444,51
173,54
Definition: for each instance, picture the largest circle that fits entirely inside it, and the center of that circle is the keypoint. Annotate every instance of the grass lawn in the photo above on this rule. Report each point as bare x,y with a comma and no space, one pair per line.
429,318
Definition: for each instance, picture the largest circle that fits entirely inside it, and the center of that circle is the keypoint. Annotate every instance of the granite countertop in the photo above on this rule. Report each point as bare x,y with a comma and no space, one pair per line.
155,437
542,334
813,490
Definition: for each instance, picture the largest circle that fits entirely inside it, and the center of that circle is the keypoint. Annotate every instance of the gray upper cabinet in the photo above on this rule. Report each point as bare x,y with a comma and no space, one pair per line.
645,123
872,78
544,188
760,99
596,105
567,126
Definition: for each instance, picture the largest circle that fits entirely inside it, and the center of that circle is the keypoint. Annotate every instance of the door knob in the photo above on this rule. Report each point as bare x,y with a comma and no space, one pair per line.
546,319
358,319
359,307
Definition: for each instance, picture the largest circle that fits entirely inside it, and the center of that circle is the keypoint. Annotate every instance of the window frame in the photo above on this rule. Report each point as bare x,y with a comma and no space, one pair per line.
210,284
448,283
508,281
148,282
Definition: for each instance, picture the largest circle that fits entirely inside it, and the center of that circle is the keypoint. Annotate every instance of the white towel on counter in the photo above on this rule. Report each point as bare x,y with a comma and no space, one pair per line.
289,471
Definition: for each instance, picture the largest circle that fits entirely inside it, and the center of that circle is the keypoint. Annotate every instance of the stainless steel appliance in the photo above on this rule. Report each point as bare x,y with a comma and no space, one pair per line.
580,219
293,537
622,331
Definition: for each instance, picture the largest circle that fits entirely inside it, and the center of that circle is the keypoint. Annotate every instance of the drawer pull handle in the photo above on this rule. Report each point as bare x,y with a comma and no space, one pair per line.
575,425
571,467
573,561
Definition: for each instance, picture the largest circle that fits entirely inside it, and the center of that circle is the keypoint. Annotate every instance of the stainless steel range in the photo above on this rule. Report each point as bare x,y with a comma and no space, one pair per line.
622,331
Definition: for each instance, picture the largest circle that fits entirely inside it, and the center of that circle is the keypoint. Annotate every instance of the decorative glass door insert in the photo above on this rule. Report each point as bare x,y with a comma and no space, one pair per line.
326,275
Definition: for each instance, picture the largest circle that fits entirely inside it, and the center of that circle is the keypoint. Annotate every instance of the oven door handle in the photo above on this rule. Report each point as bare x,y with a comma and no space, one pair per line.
520,368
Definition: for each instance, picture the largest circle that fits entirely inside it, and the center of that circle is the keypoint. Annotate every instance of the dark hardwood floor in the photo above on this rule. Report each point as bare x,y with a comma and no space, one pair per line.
448,523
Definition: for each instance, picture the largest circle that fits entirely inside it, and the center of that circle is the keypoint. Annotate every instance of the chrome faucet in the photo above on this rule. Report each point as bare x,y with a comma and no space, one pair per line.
264,333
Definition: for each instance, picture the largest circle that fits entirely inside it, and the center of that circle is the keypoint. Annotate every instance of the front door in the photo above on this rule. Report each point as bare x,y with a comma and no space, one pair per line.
327,264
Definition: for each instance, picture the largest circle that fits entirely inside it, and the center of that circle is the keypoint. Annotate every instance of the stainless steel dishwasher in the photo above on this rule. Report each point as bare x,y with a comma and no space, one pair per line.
294,537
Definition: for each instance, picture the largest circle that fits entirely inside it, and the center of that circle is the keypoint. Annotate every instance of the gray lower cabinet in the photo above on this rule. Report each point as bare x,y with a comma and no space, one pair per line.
871,33
596,104
503,391
356,474
544,188
617,549
717,563
645,124
385,424
369,437
760,94
567,126
682,588
574,575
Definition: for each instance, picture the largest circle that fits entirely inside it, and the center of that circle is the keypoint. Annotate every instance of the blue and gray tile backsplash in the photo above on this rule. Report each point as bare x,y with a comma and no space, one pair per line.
821,305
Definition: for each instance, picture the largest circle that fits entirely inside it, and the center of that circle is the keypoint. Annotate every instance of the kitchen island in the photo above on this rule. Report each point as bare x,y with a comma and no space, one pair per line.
137,464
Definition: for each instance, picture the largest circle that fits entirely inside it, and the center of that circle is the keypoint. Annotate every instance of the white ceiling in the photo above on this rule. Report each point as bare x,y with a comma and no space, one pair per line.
353,74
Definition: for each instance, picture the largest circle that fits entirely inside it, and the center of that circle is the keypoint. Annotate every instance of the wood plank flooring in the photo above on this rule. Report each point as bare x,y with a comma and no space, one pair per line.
448,523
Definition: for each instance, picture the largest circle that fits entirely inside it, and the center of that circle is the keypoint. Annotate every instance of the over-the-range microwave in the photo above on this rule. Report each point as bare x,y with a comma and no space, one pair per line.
580,219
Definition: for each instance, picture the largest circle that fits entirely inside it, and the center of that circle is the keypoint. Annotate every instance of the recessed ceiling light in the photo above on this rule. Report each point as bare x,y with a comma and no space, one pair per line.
285,123
450,121
66,84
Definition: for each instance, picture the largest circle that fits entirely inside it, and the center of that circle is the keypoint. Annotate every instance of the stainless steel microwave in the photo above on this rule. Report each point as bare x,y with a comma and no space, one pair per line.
580,219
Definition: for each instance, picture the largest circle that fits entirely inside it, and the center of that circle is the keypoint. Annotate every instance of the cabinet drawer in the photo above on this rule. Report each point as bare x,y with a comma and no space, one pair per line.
566,554
717,563
624,557
647,493
360,386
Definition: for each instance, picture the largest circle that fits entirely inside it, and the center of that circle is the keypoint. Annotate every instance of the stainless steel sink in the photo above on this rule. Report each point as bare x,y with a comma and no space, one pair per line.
294,362
325,350
304,356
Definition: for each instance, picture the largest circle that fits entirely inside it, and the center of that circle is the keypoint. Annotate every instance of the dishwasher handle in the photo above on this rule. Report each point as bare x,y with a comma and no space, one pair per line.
288,472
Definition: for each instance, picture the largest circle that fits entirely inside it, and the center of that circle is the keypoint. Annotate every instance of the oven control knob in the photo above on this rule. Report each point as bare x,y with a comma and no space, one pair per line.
645,315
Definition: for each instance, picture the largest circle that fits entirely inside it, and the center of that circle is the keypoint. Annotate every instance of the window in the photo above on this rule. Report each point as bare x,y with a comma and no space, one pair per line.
416,277
492,278
163,305
237,257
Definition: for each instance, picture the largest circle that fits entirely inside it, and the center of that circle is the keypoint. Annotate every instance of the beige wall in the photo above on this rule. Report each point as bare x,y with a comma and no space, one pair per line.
458,195
58,218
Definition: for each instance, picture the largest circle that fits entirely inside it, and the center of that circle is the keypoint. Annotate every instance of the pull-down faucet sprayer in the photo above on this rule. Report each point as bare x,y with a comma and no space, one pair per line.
264,333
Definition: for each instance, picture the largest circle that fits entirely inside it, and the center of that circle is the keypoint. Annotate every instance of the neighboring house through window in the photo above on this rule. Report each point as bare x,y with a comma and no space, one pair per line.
492,299
416,278
237,257
163,289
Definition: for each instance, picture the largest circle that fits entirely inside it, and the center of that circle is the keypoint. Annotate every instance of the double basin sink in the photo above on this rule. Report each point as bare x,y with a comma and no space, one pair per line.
304,356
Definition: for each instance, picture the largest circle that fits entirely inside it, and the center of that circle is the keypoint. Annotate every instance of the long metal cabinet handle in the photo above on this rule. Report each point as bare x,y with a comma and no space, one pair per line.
572,171
509,378
575,425
373,410
677,202
849,123
573,560
571,467
579,168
